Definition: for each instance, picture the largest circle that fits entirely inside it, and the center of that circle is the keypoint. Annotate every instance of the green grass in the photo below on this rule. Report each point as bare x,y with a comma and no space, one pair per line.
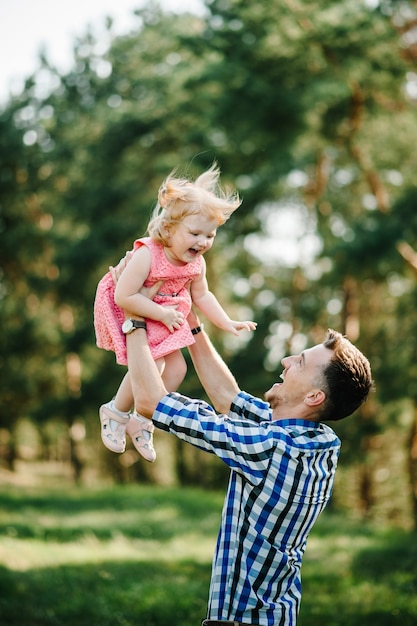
141,555
354,574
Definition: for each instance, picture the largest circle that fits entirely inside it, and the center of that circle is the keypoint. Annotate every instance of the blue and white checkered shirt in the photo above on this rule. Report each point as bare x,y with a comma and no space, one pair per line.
281,479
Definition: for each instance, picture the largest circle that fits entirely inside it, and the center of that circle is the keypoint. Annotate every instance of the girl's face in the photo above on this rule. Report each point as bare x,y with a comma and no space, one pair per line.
190,239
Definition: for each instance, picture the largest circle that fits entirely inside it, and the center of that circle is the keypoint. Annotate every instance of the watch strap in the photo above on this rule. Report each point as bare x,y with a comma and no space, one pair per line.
138,324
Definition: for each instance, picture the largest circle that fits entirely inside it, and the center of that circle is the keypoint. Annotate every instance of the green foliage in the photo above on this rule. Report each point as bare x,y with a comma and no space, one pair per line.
309,109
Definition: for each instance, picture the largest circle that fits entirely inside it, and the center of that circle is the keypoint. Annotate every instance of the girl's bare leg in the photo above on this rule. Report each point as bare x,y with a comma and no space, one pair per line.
114,417
123,400
174,370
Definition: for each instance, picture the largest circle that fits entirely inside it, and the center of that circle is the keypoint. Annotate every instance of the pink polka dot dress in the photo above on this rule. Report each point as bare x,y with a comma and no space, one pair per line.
108,317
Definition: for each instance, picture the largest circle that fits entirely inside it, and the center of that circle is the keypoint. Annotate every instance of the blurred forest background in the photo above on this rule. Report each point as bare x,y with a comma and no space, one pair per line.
310,109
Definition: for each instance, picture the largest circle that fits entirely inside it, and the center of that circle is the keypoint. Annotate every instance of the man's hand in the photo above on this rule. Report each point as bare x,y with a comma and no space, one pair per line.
170,317
150,292
116,272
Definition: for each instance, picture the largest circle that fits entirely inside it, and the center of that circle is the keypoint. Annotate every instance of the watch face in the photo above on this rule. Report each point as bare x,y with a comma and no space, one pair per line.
127,326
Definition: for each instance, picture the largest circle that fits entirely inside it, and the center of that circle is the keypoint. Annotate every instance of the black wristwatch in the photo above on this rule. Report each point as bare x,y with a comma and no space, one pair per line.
197,329
129,326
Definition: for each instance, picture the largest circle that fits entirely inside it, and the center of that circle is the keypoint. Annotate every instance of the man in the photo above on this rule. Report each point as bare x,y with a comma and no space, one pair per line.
281,456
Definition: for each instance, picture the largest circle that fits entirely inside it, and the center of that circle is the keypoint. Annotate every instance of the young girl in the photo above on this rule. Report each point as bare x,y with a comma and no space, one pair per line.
181,230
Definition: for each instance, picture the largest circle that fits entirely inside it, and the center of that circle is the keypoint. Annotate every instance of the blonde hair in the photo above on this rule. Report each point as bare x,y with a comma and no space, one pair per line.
179,198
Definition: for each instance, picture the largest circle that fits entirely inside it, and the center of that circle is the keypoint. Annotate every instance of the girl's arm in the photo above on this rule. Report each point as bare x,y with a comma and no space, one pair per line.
127,297
207,303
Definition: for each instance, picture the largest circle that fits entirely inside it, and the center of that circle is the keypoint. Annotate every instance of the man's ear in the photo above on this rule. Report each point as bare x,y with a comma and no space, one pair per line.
315,397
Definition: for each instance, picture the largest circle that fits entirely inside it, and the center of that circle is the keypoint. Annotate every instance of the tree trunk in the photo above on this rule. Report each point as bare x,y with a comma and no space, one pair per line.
412,464
366,494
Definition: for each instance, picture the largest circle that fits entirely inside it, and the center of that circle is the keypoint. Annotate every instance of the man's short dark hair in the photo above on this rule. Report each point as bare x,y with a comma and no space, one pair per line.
346,380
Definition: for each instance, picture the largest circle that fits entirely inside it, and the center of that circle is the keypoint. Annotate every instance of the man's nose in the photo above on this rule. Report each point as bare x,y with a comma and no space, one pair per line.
287,360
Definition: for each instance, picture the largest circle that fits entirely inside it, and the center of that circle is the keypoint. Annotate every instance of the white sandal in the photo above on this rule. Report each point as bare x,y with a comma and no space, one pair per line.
114,440
141,432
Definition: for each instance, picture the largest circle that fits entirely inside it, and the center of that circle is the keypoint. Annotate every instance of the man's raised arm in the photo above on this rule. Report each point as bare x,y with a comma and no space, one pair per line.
216,378
147,384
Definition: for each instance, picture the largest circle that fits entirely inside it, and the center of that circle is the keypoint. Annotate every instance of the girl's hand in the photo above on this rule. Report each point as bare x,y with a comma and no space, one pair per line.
172,318
234,327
